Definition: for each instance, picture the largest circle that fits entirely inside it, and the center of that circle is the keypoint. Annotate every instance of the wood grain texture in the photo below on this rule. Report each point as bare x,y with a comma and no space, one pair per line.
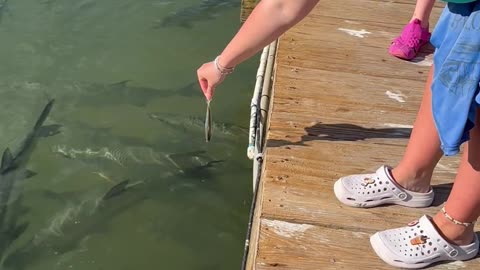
246,8
341,105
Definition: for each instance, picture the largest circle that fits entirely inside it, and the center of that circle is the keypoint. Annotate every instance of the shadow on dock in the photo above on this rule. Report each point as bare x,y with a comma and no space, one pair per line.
343,132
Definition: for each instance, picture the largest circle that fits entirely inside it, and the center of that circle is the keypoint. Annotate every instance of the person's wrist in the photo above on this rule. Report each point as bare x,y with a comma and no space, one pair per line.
223,69
225,61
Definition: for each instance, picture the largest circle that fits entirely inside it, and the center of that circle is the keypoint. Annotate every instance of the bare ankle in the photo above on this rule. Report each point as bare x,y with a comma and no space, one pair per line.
416,182
423,22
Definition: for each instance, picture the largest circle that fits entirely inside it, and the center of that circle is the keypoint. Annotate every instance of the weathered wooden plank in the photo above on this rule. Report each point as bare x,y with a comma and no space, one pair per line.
246,8
255,233
304,246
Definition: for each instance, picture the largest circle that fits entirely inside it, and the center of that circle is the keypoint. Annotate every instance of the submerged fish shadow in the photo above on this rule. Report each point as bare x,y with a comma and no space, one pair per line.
343,132
202,170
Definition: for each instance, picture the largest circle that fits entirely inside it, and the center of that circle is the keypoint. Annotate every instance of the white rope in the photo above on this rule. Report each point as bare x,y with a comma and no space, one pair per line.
260,109
265,98
254,103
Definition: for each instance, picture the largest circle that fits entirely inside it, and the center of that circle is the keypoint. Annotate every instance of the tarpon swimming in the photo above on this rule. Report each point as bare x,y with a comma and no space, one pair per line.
123,92
75,223
142,156
74,94
12,173
196,124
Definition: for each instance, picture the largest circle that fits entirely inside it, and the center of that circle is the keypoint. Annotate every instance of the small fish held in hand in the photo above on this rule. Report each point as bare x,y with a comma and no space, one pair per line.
208,123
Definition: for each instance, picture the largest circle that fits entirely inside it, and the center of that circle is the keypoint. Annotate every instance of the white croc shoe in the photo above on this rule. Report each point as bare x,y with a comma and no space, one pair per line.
418,245
370,190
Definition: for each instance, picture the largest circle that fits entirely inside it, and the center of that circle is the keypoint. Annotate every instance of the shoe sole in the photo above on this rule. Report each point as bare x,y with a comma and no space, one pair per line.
403,56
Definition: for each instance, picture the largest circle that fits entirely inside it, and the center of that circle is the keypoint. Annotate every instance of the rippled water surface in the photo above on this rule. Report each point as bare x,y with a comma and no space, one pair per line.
120,176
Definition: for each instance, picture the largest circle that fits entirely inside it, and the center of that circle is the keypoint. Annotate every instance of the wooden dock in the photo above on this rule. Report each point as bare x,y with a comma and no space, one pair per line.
246,8
341,105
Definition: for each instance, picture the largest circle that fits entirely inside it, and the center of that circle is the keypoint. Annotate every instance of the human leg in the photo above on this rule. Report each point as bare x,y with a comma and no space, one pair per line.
463,203
414,172
407,184
423,9
449,236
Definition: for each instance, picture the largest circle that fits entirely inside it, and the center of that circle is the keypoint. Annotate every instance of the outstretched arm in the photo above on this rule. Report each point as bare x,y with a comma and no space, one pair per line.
269,20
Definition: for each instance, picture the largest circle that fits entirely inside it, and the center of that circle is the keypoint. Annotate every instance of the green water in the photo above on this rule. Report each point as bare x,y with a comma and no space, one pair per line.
112,65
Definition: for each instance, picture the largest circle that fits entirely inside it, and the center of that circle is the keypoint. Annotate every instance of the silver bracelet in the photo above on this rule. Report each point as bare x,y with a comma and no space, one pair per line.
223,70
447,216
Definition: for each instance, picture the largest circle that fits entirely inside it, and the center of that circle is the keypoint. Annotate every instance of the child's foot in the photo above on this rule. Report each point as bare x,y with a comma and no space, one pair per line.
369,190
418,245
412,38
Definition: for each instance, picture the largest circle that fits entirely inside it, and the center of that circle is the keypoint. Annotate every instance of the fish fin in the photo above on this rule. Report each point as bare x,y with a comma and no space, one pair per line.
121,83
7,159
49,130
116,190
209,164
29,174
23,173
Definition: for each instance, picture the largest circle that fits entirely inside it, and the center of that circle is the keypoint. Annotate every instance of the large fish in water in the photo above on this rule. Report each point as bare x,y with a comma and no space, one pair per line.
12,164
124,93
83,215
141,156
72,94
75,223
192,124
108,151
12,173
205,10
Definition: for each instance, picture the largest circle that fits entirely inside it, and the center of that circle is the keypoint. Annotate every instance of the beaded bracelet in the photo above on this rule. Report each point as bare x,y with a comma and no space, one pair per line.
223,70
447,216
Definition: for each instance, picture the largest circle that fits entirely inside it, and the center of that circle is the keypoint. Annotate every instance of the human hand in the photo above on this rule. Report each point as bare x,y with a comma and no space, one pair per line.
209,77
